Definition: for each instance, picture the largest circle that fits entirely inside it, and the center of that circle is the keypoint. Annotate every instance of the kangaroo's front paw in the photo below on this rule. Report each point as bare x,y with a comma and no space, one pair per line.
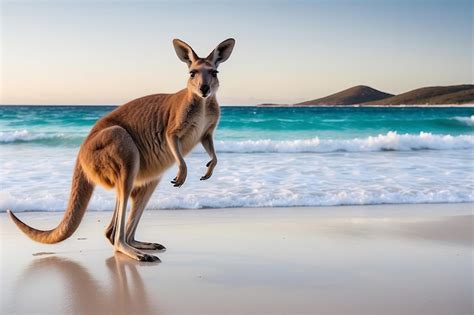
179,180
210,168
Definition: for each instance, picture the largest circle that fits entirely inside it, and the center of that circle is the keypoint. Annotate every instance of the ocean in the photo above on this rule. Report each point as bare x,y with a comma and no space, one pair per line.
268,157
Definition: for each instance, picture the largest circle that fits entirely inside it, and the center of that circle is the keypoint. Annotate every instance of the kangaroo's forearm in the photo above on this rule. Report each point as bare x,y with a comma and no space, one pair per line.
208,144
175,147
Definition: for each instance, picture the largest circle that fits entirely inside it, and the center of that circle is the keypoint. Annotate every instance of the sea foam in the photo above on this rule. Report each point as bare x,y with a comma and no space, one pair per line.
469,121
24,136
275,198
257,180
392,141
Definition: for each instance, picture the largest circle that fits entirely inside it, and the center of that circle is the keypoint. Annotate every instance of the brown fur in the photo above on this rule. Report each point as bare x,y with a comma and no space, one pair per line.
131,147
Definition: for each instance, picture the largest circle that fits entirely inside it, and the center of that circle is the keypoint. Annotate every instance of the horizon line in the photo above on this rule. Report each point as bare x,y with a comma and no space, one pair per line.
248,104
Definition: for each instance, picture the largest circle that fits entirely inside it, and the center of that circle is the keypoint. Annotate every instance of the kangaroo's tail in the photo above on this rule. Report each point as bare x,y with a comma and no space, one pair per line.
81,192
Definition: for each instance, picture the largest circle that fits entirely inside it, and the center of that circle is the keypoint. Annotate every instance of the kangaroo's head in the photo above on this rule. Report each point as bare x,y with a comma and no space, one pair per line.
203,80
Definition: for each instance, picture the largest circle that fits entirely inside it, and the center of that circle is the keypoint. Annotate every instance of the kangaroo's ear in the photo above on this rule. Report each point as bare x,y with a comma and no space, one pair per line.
184,51
222,52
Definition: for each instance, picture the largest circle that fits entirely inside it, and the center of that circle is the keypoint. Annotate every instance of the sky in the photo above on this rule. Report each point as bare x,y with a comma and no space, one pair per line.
110,52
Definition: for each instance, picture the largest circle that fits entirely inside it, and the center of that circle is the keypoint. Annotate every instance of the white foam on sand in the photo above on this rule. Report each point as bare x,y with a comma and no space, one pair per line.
258,180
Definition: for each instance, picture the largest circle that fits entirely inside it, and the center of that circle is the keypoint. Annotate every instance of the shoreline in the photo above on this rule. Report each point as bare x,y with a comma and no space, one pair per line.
317,207
380,259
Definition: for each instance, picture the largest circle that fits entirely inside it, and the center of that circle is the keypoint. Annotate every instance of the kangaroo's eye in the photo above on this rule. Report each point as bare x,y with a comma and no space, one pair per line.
214,73
192,73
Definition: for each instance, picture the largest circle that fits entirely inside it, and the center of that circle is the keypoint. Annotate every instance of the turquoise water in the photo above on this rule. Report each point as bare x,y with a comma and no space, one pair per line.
267,157
242,123
55,125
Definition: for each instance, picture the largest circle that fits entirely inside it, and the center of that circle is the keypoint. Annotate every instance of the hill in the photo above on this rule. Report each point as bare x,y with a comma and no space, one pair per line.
354,95
435,95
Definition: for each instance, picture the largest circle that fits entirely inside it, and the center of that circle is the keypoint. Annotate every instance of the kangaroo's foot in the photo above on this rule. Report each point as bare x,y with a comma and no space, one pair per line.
146,245
135,254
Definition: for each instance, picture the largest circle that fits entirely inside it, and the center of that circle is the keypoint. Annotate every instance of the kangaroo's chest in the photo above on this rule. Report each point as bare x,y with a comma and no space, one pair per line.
197,125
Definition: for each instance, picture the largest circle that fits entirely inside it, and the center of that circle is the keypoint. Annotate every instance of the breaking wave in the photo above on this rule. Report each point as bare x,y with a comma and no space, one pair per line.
24,136
391,141
469,121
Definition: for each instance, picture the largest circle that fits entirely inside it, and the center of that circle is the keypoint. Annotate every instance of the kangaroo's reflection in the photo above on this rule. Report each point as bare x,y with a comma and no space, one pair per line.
132,294
124,294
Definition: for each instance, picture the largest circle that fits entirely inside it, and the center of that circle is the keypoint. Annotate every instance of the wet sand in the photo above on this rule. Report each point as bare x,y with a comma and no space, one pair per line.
390,259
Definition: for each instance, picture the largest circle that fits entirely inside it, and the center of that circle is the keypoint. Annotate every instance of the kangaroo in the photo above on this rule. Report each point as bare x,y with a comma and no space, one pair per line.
131,147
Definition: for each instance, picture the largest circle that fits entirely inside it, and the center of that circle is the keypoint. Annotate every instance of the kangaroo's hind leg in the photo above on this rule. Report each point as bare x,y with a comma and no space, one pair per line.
140,197
110,230
113,159
124,188
120,243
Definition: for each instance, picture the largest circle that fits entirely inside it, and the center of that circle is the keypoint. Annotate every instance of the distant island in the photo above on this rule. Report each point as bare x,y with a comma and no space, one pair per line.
362,95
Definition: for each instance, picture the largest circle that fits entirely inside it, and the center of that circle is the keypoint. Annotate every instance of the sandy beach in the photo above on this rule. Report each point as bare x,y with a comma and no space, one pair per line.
387,259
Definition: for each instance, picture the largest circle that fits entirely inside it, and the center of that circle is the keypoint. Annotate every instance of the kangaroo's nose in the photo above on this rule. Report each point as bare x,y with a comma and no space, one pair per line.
204,89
